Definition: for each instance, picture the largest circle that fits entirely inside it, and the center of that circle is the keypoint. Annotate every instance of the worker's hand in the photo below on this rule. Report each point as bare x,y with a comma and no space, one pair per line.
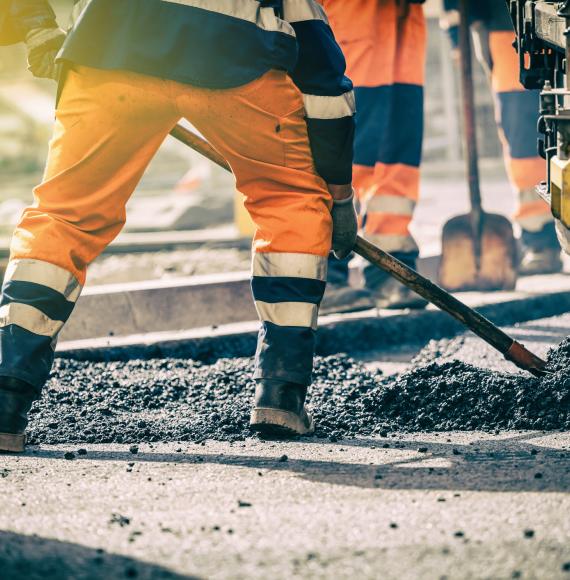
345,220
43,45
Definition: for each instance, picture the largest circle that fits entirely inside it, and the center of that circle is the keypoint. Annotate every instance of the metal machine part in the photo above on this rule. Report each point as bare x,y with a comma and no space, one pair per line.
543,45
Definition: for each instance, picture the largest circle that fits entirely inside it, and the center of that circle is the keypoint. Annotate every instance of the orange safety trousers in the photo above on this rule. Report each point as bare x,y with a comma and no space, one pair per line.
109,124
385,49
517,113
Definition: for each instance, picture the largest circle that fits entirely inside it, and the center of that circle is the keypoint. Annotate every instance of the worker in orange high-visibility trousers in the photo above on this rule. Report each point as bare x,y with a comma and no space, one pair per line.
516,114
384,42
264,82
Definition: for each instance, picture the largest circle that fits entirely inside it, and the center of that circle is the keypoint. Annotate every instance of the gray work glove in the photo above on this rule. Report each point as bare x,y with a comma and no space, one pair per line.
43,45
345,227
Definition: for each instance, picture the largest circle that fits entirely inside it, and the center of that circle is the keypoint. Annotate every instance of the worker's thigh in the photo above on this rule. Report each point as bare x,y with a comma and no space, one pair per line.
367,32
260,129
108,126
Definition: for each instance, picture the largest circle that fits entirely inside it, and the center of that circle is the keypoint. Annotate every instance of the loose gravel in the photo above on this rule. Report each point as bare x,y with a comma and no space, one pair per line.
184,400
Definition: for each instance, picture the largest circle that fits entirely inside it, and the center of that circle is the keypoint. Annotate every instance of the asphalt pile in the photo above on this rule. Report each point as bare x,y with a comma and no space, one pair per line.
184,400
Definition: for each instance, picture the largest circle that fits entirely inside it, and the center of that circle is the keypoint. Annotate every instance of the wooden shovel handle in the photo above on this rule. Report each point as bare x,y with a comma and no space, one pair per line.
468,105
200,145
476,322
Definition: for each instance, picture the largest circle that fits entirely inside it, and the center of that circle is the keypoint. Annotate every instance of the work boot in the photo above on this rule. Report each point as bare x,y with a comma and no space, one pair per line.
389,293
393,295
540,252
344,299
340,297
16,398
279,409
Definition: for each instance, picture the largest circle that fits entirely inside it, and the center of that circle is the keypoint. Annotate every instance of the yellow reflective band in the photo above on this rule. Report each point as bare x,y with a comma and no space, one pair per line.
248,10
534,223
319,107
392,204
276,264
303,10
298,314
29,318
528,195
45,274
393,243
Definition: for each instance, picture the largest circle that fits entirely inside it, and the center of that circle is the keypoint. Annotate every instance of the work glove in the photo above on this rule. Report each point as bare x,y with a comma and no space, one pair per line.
345,226
43,45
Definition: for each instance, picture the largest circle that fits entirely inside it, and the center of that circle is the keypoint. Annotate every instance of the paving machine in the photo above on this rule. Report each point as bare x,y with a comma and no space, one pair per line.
543,44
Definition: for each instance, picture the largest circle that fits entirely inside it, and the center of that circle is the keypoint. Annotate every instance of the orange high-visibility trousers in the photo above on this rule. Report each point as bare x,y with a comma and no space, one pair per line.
109,125
385,50
517,113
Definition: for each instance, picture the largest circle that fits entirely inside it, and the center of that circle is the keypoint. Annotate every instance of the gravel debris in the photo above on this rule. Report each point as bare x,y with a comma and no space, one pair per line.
185,400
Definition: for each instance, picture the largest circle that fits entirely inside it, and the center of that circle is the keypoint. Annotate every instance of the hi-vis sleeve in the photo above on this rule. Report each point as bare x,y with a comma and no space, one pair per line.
327,92
18,17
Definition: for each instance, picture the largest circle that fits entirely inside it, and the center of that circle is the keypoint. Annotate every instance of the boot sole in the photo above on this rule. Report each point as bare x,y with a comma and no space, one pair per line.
275,422
12,443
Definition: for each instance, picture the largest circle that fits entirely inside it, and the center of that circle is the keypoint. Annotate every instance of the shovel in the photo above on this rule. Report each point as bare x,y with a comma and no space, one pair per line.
479,250
512,350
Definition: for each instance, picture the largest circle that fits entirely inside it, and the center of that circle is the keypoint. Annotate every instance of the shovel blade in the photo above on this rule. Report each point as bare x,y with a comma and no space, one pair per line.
497,269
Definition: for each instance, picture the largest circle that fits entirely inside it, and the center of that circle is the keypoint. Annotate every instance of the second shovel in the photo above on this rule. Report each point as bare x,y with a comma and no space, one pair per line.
479,250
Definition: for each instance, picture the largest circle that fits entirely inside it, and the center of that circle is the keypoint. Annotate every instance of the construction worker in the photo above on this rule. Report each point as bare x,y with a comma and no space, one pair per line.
516,114
384,42
264,83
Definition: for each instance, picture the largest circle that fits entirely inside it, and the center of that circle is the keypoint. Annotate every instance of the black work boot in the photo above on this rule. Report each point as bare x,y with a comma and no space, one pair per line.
279,409
16,398
540,252
389,293
340,297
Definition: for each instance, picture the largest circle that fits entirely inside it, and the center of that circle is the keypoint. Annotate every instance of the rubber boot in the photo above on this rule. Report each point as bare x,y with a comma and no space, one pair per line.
540,252
340,297
389,293
16,398
279,409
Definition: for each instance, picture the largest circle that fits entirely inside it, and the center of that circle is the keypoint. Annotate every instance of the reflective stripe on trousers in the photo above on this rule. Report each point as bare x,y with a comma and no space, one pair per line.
517,115
37,299
108,126
386,60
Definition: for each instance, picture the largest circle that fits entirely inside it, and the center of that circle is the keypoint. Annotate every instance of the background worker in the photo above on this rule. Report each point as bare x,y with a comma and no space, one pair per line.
516,115
384,42
264,83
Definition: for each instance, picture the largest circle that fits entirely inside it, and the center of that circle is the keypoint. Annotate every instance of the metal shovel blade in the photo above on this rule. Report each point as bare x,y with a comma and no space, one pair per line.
488,265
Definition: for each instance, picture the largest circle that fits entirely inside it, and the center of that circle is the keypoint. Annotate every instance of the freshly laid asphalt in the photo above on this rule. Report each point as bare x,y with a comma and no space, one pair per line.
460,504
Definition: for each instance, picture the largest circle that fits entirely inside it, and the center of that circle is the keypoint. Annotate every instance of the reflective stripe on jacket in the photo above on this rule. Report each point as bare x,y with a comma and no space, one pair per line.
221,44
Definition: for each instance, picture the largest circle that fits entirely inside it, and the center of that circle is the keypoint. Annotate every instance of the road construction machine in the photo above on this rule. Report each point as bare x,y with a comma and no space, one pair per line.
543,45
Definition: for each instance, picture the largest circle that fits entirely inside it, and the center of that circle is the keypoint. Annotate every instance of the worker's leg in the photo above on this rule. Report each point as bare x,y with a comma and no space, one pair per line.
517,113
260,129
389,139
355,25
109,125
385,55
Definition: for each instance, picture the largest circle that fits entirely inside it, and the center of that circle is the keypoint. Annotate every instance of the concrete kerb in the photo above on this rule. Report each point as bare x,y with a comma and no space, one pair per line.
170,305
161,305
352,334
